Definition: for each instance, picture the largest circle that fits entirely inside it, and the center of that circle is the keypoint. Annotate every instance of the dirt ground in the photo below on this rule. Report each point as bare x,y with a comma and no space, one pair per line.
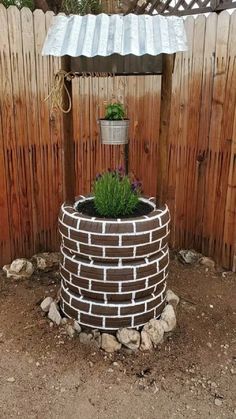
44,374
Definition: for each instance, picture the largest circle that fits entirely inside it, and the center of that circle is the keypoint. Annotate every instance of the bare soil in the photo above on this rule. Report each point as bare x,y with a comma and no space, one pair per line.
52,376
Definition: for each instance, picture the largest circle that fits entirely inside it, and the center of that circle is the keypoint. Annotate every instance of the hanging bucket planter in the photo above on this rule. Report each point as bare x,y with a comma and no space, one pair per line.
114,132
114,128
114,271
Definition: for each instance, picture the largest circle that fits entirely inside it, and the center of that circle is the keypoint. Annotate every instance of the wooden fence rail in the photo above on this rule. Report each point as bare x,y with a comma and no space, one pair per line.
202,153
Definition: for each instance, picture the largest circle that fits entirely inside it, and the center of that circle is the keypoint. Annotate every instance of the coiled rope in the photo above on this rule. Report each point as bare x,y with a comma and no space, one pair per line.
56,94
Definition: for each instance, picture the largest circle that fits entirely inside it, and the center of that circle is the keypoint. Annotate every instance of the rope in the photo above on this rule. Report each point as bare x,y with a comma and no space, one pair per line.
56,93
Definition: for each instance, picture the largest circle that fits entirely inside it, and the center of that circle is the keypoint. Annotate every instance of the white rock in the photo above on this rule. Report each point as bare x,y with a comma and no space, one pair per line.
46,261
218,402
85,338
45,304
11,380
129,338
54,314
19,268
146,343
155,330
172,298
168,318
70,331
207,262
64,321
109,343
189,256
76,326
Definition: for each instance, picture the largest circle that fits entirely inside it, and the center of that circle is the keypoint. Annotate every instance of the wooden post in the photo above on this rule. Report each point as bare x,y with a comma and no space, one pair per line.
162,159
126,159
68,139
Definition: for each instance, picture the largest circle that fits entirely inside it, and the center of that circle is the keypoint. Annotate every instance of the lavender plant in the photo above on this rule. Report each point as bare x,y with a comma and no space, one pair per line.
116,194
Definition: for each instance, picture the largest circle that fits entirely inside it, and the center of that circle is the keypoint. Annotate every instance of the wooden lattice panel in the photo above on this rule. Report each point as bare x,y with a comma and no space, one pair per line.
177,7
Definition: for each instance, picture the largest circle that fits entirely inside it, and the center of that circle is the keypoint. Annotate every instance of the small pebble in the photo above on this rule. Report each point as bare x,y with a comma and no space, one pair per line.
218,402
11,380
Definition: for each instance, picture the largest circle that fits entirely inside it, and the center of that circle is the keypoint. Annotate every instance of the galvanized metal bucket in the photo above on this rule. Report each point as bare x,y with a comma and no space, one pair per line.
114,132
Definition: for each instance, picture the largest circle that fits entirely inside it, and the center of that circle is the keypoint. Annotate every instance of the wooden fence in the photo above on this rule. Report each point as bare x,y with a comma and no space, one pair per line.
202,154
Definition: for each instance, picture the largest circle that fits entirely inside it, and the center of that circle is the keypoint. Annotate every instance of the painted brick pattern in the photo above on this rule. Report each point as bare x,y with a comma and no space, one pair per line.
114,272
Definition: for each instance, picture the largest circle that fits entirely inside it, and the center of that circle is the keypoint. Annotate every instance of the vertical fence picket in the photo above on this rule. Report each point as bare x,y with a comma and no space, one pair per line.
202,154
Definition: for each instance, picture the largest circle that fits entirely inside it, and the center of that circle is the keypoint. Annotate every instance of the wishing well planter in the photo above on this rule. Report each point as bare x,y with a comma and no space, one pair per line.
114,271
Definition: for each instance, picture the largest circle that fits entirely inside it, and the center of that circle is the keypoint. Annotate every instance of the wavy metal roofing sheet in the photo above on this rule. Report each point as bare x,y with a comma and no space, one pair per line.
104,35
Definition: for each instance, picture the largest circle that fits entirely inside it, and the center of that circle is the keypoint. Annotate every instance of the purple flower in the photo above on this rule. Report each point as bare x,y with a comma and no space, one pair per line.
136,185
98,176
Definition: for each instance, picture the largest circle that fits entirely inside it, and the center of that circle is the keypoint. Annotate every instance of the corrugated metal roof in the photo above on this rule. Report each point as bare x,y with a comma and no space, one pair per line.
105,35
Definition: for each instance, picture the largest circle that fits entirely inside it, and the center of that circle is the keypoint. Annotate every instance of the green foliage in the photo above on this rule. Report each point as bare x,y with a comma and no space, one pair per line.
81,7
115,112
115,195
18,3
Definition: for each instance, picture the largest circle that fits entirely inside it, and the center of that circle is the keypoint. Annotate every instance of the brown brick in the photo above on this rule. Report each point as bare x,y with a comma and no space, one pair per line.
153,214
104,310
155,279
159,234
69,244
72,288
147,225
79,236
118,322
69,209
91,320
80,282
143,318
91,273
165,218
65,296
119,252
105,286
71,312
119,298
124,274
119,228
92,295
160,288
71,266
153,303
133,286
64,273
105,240
91,250
160,309
147,249
132,309
63,230
148,270
61,214
133,240
80,305
90,226
163,262
165,240
143,294
69,221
